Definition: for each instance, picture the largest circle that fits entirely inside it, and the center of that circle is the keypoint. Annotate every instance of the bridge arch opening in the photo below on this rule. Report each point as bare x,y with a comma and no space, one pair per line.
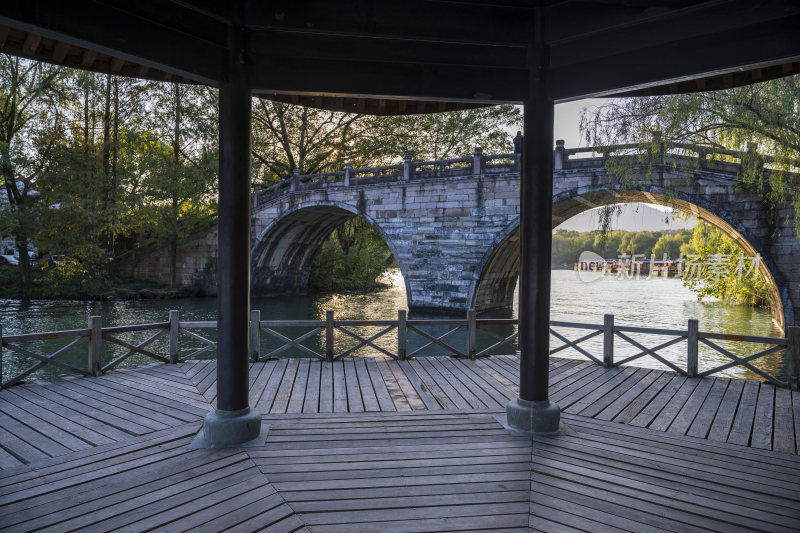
285,250
499,269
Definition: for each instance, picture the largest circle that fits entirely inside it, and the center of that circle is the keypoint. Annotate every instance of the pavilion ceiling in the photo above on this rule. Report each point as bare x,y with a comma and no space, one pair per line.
386,57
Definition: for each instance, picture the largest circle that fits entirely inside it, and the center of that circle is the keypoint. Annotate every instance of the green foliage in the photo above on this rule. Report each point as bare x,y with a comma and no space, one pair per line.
763,116
568,245
717,267
671,245
352,258
287,137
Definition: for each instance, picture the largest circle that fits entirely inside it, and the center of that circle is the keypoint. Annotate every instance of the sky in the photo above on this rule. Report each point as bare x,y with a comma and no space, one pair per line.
634,216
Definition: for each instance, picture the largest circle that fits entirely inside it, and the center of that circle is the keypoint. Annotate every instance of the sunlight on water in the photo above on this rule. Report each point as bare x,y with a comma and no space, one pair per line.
657,303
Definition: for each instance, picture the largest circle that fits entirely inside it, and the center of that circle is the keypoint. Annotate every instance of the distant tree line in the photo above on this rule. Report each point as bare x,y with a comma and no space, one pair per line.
568,244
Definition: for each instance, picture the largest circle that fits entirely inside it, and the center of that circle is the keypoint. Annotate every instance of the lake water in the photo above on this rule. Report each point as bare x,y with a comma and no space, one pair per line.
655,303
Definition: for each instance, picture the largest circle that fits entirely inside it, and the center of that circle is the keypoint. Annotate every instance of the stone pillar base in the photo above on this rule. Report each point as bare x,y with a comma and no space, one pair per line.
525,418
231,429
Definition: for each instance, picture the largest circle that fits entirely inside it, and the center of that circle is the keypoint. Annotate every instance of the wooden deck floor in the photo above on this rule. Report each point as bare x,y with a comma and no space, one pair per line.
415,471
57,417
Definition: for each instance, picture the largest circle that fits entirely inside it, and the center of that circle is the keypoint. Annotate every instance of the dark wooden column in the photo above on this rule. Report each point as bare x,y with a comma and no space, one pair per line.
233,422
233,248
532,412
536,212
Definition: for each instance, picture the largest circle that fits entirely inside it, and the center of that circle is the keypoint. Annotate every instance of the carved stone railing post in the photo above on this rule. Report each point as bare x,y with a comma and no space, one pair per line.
517,162
295,184
477,161
407,167
348,172
559,155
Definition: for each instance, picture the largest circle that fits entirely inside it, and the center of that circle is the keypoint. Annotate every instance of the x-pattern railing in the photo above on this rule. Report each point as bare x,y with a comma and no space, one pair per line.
95,335
11,342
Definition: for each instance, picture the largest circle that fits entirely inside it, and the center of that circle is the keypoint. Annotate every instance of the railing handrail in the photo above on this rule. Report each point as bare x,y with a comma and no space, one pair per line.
478,161
96,334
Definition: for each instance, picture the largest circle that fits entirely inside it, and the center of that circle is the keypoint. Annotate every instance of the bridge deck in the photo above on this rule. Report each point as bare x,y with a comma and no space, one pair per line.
374,445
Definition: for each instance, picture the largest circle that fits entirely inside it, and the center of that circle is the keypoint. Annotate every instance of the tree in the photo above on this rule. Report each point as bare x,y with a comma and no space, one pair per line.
28,101
444,135
179,189
288,137
763,115
351,259
670,245
717,267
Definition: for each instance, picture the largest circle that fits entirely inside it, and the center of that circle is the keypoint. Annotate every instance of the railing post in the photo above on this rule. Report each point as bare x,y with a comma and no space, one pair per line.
95,344
558,155
477,161
295,182
517,162
608,340
329,334
348,171
255,335
407,167
691,354
401,334
793,356
472,333
174,337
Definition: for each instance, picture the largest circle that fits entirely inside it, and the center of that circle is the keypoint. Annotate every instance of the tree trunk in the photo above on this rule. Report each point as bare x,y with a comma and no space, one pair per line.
24,276
176,150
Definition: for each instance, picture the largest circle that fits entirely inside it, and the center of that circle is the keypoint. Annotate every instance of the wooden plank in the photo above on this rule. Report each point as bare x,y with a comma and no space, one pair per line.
444,385
601,397
723,421
259,384
762,424
76,417
311,401
264,404
419,385
634,407
339,388
100,500
326,387
498,376
460,387
431,385
355,403
654,408
398,399
743,423
683,420
412,397
281,401
588,384
381,392
478,382
617,406
783,436
98,408
708,410
52,426
368,395
298,394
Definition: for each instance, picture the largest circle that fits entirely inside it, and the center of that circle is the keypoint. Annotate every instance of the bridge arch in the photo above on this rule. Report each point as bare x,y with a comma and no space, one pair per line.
499,268
284,250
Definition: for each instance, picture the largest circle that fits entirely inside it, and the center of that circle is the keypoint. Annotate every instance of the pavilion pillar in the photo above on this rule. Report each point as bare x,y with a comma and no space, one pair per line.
532,412
233,422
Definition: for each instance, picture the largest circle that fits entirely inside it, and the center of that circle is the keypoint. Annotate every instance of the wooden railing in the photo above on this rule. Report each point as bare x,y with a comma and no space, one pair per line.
402,348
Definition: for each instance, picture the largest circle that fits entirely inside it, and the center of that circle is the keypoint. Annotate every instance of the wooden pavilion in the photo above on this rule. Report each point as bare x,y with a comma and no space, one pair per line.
381,57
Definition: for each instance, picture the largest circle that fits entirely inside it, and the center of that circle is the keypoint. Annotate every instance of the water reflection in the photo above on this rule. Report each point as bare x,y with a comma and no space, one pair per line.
659,303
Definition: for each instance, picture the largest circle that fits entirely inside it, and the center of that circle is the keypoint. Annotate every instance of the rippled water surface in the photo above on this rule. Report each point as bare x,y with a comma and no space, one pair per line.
657,303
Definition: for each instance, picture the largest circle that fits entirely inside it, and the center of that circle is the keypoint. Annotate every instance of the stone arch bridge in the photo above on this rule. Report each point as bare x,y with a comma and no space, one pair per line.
452,225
